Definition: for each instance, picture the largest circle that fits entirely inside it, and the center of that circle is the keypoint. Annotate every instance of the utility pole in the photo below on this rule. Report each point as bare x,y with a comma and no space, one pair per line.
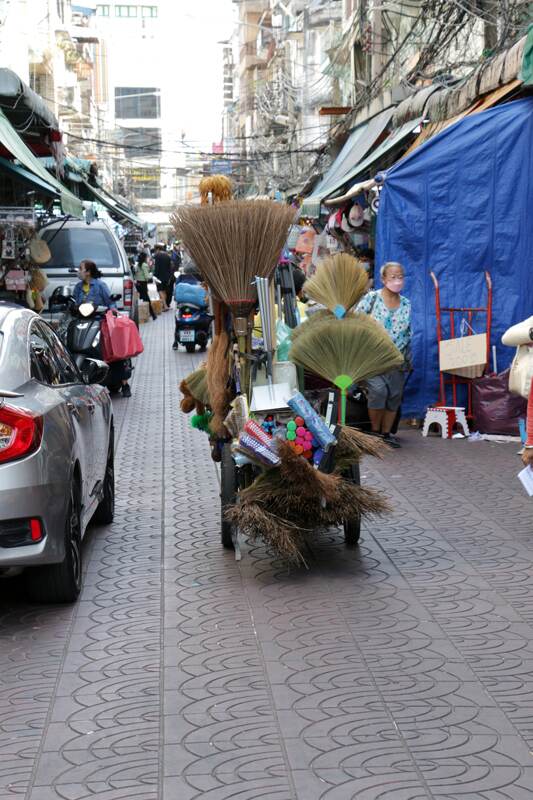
490,12
305,87
378,46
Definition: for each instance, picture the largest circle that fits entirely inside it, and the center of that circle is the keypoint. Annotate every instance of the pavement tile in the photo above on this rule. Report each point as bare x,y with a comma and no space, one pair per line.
400,670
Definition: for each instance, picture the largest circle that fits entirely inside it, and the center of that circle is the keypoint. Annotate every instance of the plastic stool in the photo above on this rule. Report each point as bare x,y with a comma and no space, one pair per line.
447,417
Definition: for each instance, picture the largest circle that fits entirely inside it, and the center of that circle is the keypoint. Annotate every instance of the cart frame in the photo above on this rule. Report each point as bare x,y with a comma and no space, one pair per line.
454,380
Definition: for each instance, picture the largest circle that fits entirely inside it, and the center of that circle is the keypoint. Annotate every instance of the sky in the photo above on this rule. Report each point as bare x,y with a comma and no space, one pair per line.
196,62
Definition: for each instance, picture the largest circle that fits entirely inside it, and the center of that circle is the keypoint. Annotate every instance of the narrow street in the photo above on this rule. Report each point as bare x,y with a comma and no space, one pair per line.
399,671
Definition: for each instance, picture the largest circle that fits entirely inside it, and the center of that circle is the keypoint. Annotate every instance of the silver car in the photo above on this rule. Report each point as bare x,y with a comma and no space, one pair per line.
56,456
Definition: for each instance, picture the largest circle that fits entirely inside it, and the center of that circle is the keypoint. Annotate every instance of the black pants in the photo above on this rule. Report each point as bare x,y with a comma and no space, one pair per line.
142,288
169,290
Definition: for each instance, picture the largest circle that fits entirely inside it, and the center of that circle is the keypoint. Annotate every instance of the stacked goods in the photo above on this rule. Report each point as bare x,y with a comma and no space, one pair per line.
285,503
286,470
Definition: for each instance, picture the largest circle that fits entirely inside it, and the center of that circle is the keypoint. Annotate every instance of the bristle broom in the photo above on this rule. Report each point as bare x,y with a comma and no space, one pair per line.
339,283
346,351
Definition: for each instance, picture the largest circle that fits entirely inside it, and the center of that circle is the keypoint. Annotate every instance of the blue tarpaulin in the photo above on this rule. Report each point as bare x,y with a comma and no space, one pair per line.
460,204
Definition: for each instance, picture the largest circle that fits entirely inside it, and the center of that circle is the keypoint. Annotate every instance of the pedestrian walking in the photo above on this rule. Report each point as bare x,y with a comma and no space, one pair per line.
143,278
163,274
175,256
393,311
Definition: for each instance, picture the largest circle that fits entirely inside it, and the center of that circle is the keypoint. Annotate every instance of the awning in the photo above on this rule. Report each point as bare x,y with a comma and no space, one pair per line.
480,105
356,147
393,140
106,200
28,177
22,102
71,170
22,153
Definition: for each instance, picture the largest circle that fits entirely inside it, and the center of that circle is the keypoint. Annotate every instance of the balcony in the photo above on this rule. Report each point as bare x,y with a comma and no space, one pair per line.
250,58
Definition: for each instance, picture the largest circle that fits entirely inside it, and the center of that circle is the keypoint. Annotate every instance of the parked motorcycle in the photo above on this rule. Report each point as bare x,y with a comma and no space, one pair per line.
79,330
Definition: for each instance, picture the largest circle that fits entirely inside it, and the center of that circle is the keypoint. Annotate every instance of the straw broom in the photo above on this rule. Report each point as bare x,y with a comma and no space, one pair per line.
219,187
232,243
339,283
346,351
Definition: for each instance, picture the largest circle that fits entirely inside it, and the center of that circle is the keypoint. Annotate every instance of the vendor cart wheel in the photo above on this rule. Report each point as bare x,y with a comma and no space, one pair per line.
228,490
352,528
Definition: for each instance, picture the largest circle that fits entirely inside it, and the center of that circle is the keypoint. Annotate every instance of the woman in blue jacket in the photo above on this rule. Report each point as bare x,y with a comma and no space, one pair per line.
91,289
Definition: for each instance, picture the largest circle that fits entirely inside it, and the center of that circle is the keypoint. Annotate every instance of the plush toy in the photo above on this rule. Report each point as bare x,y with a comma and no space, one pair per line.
37,284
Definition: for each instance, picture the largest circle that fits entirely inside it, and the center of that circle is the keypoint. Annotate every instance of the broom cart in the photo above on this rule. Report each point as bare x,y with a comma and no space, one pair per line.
289,463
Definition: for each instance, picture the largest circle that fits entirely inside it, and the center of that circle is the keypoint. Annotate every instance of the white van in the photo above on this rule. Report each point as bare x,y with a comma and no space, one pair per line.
72,240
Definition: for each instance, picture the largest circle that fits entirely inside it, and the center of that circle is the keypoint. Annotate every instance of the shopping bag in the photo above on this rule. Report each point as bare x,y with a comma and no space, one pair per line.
521,372
120,338
153,294
465,356
496,410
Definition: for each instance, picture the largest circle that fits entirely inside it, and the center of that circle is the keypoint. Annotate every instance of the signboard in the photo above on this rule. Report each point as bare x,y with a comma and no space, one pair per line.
221,166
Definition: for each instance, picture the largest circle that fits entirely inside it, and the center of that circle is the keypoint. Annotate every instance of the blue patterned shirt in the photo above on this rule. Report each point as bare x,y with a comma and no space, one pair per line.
396,321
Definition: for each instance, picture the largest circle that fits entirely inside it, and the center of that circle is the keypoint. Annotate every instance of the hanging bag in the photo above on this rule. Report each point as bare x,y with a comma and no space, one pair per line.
119,337
521,372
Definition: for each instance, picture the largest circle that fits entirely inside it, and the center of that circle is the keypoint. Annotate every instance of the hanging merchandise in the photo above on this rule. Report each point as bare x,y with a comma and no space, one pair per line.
15,280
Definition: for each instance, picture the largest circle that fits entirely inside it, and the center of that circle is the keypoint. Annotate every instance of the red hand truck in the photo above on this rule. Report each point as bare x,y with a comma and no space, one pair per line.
467,313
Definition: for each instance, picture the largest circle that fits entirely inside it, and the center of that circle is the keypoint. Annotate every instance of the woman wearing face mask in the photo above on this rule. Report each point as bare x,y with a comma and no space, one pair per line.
388,307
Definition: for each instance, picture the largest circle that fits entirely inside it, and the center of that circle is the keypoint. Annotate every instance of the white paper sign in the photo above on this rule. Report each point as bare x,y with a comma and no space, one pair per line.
526,479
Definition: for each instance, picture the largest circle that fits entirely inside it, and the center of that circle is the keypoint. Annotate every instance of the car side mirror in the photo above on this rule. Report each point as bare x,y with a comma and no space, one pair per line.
94,371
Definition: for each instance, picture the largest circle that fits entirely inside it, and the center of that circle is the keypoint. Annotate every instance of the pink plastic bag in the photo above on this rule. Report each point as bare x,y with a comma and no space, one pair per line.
120,337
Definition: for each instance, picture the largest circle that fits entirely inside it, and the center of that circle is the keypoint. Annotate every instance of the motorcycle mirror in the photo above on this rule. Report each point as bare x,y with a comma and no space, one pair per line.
86,309
94,371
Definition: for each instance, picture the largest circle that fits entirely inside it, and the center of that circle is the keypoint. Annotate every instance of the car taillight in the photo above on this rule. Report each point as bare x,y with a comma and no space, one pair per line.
20,433
21,532
127,292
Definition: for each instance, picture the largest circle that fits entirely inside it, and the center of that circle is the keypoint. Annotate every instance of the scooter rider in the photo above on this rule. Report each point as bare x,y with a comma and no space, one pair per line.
91,289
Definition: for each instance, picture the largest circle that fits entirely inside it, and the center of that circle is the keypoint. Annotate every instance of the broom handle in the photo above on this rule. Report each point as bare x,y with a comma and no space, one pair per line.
344,394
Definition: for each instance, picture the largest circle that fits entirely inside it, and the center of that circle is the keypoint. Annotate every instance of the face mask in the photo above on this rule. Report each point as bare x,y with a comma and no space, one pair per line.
395,285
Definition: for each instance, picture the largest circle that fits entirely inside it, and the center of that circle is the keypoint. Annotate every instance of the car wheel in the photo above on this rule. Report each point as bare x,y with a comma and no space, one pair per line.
105,511
61,583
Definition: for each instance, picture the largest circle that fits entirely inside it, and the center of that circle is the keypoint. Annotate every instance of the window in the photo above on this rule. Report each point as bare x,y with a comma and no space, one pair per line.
69,246
145,183
42,361
149,11
125,11
142,142
102,11
67,370
137,102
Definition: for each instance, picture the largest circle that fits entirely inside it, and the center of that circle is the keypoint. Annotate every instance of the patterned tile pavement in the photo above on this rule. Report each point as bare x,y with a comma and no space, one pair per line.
399,671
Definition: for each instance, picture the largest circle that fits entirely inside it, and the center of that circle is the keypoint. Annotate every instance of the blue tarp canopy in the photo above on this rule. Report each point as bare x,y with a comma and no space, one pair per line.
459,205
